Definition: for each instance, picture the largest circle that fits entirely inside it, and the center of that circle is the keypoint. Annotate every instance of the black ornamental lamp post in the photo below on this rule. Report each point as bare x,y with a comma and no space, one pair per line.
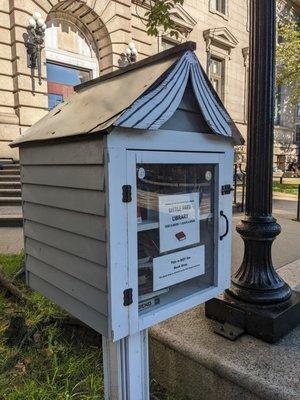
259,302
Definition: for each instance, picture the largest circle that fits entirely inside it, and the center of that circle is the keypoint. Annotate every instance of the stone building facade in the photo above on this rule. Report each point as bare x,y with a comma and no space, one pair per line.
89,36
287,115
85,38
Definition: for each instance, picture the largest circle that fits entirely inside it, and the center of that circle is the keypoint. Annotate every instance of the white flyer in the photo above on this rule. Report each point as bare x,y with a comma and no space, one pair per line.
178,221
178,267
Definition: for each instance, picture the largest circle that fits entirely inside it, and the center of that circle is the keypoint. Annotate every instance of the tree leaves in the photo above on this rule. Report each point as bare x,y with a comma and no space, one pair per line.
288,58
288,51
159,17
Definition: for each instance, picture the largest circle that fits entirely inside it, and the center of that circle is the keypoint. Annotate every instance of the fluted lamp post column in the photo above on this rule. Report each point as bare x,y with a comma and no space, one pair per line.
259,302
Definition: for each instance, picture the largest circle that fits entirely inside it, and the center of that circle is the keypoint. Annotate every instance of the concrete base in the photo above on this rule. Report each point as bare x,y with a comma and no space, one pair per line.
274,322
189,359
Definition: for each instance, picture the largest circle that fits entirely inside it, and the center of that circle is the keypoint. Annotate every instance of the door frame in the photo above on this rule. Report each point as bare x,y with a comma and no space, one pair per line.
222,275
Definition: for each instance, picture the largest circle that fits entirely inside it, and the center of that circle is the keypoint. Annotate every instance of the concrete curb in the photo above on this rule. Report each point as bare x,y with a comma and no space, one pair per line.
233,377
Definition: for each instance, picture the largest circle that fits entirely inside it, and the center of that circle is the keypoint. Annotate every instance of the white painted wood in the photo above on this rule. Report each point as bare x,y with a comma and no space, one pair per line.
118,278
168,140
132,245
126,367
179,306
225,204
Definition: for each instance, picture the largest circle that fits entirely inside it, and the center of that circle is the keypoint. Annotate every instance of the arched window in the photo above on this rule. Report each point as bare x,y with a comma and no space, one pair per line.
70,60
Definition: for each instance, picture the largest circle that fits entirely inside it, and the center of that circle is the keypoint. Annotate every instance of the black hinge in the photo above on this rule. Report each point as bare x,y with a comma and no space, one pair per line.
226,189
126,197
127,297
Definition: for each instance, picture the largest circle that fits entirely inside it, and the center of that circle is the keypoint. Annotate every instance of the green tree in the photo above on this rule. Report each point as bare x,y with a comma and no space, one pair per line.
159,16
288,57
288,50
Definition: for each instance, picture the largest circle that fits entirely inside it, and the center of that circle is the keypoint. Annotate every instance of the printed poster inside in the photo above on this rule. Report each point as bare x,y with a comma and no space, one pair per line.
171,269
178,221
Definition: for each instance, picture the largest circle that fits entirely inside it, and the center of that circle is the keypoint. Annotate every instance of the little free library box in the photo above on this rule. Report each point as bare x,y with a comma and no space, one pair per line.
126,191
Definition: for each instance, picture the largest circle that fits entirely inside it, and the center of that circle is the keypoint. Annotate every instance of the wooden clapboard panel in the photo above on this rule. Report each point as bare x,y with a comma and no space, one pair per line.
69,153
84,313
84,270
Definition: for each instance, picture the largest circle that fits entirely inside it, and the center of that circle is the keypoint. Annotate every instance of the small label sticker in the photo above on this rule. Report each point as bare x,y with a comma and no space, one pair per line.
148,303
141,173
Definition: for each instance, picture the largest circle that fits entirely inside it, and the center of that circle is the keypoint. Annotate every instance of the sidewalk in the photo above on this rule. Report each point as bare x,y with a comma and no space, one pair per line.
189,359
286,247
11,240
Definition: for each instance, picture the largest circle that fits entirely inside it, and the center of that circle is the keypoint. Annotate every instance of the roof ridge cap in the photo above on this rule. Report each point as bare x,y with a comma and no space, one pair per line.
181,48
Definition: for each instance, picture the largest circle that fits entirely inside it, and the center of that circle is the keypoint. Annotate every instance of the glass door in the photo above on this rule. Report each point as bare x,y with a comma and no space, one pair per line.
176,214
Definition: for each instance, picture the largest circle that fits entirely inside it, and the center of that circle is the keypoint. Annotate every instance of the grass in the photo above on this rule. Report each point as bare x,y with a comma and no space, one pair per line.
55,369
284,188
11,263
50,361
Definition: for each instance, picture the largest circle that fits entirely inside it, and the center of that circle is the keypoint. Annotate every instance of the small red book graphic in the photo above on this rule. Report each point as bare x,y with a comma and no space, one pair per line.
180,236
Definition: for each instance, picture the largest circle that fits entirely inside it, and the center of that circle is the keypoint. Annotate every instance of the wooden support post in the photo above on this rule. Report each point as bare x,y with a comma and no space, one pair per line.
126,367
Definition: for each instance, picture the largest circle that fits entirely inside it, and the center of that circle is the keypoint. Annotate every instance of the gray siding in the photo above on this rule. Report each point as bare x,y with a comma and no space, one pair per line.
84,313
188,117
63,192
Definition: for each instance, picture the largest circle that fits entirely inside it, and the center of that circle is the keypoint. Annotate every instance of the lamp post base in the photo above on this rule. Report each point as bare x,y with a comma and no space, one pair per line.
267,322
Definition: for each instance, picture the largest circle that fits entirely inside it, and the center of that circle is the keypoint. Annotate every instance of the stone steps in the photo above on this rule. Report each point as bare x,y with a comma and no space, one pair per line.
11,220
10,201
11,215
9,166
9,178
10,185
10,193
4,161
10,171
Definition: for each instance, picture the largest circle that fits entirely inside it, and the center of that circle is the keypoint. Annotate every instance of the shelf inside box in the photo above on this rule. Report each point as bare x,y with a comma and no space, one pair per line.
147,225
